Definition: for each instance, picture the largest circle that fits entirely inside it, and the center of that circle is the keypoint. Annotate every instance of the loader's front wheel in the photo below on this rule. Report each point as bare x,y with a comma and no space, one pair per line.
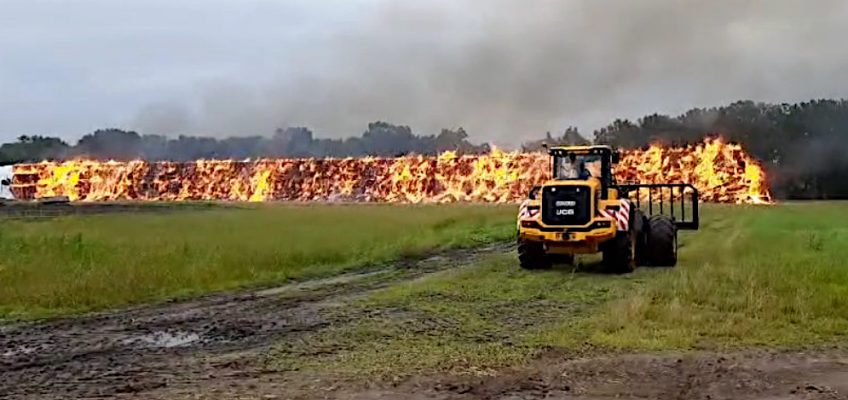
662,241
620,253
531,255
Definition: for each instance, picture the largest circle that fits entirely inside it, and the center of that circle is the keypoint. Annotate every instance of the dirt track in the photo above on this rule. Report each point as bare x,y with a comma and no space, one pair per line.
211,347
137,350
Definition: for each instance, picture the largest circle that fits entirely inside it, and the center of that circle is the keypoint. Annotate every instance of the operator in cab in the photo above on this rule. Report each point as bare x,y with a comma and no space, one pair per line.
573,168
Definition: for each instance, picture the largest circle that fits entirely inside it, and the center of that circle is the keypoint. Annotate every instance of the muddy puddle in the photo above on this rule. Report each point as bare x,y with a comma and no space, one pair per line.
165,339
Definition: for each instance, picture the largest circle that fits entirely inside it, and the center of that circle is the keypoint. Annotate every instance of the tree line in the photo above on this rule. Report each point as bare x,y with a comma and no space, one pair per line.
803,146
380,139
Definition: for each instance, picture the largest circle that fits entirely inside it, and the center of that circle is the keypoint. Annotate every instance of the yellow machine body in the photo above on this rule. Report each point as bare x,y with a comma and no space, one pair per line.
571,239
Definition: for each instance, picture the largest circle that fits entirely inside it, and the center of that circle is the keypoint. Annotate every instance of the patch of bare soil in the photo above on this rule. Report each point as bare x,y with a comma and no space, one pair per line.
742,375
194,344
750,375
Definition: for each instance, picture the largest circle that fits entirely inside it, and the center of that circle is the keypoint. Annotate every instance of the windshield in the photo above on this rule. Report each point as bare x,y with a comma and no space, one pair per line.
573,166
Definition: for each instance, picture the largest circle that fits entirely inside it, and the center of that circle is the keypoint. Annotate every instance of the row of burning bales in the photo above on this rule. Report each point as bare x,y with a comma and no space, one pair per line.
721,172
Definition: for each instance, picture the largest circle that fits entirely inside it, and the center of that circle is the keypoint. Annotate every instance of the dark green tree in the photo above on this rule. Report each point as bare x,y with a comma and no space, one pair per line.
33,149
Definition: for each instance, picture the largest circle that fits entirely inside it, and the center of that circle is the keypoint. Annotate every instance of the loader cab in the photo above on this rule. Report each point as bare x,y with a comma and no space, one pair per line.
583,163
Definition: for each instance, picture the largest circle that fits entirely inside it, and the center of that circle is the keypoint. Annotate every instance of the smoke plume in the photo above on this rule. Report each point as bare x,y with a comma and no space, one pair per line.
509,70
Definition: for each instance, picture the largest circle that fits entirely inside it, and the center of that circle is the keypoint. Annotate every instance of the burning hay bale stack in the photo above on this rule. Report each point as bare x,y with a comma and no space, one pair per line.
721,172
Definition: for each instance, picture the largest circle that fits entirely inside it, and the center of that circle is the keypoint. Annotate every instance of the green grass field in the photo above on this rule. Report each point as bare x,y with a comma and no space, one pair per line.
752,276
83,263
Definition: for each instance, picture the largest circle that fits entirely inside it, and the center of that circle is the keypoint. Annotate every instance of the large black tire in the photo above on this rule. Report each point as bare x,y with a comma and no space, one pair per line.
619,254
531,255
662,241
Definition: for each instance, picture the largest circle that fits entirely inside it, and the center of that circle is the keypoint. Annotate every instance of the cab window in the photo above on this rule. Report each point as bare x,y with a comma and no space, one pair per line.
574,166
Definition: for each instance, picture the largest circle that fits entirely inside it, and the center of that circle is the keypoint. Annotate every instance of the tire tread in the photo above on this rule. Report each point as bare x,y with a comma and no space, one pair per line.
662,241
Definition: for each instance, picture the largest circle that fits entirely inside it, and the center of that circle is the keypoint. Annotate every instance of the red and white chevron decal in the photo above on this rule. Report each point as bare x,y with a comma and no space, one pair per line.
621,216
525,212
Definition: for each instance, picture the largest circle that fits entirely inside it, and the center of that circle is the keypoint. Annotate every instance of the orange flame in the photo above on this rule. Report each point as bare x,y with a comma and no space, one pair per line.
721,172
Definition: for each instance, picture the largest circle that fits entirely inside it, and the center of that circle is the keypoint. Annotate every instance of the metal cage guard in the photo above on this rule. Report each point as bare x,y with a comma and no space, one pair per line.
658,202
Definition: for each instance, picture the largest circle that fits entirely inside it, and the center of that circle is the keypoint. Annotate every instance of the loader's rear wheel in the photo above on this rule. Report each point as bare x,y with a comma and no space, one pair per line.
620,253
531,255
662,241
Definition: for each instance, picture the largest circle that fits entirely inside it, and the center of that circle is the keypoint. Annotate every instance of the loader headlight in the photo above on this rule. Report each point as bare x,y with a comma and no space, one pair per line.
530,224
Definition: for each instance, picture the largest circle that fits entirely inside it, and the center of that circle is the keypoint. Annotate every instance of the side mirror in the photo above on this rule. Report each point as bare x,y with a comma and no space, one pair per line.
615,157
533,192
5,182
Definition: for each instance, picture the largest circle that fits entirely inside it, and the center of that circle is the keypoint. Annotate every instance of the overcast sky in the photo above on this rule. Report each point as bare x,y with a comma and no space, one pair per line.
506,70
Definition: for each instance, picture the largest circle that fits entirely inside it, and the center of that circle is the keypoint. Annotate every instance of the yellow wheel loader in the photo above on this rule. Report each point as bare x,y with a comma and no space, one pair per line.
583,210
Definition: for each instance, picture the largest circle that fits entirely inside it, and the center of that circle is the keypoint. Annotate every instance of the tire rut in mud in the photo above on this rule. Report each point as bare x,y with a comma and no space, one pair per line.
148,347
